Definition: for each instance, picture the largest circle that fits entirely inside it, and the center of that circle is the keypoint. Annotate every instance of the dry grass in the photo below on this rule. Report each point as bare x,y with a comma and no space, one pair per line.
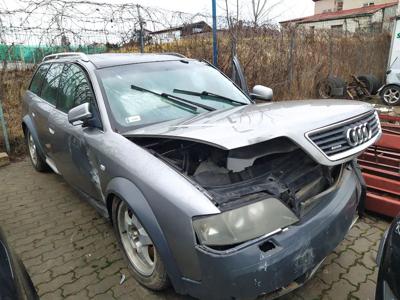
265,58
14,85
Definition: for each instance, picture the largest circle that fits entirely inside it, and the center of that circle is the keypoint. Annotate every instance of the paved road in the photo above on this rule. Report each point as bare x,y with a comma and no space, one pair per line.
71,252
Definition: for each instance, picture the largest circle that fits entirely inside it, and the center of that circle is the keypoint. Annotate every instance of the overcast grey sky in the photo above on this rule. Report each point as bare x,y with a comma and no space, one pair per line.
283,9
286,9
89,23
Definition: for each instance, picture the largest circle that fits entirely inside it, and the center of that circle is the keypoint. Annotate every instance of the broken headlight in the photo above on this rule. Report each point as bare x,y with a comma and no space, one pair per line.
244,223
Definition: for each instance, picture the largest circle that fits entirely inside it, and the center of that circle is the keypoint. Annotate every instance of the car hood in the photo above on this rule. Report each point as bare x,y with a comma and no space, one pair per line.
250,124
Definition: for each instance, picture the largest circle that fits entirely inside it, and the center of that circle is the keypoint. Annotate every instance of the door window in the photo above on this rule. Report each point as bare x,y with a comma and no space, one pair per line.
238,75
37,80
74,88
50,83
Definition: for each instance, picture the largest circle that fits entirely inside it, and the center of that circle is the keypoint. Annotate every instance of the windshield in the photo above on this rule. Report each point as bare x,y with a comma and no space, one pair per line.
130,107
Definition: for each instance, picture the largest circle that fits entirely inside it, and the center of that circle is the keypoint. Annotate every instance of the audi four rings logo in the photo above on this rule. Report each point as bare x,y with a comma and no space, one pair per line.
358,134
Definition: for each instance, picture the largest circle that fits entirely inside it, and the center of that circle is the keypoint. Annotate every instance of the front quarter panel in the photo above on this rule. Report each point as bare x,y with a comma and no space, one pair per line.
150,185
126,190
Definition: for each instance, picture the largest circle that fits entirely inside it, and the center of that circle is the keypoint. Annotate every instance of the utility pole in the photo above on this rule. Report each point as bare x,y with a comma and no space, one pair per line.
141,38
214,31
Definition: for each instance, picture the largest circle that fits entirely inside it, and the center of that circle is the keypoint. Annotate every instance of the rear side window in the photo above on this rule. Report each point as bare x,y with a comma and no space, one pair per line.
74,88
37,80
50,83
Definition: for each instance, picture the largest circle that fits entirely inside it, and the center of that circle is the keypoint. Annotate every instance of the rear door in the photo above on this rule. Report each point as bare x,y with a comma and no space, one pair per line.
43,105
34,100
70,150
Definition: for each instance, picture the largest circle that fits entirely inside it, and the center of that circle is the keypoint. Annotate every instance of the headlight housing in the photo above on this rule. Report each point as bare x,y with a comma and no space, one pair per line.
244,223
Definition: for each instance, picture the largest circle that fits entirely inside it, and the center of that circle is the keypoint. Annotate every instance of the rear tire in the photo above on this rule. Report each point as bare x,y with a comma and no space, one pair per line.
145,263
331,87
38,162
371,83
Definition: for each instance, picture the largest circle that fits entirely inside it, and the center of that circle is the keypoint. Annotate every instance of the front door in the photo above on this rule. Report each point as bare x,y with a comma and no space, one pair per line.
238,75
70,149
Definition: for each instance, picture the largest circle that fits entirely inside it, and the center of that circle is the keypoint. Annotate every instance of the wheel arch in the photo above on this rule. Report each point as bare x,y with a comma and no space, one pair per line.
127,191
388,85
27,125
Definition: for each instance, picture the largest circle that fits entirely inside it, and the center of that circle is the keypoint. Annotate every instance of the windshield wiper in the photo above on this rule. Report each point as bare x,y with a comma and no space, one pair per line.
207,94
189,104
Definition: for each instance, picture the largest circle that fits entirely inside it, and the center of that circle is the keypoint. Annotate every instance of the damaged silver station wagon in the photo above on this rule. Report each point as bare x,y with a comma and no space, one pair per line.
208,191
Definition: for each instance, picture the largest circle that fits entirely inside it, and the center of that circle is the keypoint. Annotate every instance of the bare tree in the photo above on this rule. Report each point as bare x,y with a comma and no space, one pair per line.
232,22
261,11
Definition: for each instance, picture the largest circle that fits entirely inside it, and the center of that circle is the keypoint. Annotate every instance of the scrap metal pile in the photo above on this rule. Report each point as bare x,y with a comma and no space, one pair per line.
360,87
380,165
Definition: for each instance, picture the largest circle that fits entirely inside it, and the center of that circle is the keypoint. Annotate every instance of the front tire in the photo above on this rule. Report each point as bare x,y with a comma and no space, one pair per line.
137,247
37,160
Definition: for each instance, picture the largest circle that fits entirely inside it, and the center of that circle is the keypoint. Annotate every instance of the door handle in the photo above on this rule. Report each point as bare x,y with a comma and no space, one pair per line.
51,130
33,114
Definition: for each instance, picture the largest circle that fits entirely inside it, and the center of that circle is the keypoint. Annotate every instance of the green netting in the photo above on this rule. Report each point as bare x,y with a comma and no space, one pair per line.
34,54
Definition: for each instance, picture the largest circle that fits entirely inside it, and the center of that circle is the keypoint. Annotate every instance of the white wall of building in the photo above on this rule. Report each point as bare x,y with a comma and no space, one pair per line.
350,4
388,17
381,20
324,5
166,37
349,25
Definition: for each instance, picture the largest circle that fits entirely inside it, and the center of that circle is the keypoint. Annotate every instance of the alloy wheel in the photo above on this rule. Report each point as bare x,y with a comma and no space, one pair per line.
32,150
391,96
136,242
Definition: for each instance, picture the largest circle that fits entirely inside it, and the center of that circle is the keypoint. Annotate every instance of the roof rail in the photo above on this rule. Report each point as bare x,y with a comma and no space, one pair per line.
174,54
81,55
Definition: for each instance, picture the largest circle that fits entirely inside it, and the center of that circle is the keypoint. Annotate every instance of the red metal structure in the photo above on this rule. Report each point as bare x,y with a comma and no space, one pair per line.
380,165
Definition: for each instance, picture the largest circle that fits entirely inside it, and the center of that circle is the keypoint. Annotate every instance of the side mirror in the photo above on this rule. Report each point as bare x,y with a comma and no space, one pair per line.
262,93
80,113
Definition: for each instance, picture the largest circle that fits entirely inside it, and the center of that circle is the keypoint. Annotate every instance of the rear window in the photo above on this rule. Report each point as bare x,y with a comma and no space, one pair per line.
50,83
37,80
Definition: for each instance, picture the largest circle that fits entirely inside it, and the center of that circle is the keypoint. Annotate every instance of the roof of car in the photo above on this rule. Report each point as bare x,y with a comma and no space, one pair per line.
105,60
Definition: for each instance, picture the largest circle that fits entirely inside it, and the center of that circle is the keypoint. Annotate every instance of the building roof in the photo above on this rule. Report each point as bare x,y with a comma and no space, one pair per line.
342,14
181,27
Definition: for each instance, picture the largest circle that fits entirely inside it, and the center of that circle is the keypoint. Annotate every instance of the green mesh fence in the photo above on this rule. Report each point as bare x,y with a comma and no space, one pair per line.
34,54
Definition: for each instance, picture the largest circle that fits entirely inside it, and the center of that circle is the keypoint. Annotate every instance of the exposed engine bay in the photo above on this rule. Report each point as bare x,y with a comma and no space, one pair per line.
233,178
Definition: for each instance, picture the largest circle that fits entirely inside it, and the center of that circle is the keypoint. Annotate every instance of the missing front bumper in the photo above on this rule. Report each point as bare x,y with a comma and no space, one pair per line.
251,272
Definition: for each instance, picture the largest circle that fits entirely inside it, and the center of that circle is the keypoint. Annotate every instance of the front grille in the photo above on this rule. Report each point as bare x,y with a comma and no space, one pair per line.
334,140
